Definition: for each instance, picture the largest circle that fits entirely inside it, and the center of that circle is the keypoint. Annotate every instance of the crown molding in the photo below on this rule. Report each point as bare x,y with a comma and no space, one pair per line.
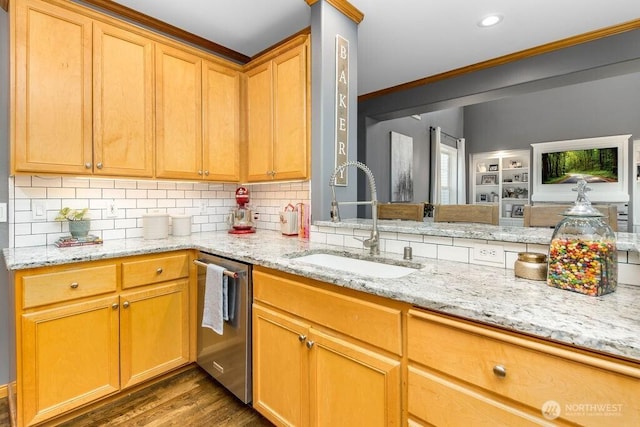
512,57
163,27
346,8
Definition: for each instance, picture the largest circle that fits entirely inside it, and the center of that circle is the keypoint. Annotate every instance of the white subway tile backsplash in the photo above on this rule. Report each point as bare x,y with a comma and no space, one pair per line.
427,250
133,199
453,253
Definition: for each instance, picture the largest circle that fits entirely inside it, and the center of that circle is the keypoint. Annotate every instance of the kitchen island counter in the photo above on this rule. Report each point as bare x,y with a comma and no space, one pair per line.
609,324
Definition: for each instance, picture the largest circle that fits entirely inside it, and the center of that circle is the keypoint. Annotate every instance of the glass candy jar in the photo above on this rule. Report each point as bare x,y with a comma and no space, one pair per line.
583,256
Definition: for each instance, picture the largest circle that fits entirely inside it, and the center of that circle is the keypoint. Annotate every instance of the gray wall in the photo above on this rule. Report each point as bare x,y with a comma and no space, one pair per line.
379,148
6,344
326,22
600,108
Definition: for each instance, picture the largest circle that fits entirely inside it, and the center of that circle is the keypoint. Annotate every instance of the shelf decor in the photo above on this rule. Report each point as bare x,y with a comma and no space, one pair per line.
488,180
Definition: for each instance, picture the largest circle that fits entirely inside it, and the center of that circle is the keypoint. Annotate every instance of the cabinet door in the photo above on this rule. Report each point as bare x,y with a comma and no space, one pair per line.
259,123
154,331
351,385
290,129
178,114
280,367
52,90
221,122
123,102
69,357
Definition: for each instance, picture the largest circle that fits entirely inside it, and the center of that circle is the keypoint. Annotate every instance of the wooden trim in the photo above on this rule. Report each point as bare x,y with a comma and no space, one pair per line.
505,59
4,391
346,8
165,28
304,32
5,5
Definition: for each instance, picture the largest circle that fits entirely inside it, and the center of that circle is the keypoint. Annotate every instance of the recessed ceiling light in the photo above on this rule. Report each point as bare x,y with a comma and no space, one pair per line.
490,20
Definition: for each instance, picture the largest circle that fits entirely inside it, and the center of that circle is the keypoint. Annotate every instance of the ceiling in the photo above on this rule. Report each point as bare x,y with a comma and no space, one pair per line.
398,41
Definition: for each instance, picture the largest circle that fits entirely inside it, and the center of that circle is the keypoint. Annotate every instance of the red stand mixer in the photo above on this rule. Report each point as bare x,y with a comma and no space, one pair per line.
241,218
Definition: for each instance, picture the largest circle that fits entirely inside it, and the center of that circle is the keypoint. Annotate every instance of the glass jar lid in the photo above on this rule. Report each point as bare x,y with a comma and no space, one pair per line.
582,206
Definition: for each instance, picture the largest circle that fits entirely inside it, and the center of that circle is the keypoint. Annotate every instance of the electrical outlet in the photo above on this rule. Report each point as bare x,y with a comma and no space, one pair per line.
112,209
39,210
488,253
203,206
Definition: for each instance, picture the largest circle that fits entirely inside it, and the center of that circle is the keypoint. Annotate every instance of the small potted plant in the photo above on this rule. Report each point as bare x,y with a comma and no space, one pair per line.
79,221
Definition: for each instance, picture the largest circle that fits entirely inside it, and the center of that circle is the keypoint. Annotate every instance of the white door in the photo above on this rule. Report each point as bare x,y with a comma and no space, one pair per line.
448,169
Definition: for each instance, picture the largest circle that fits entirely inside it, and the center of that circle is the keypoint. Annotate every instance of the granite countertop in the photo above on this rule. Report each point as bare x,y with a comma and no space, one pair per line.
608,324
542,236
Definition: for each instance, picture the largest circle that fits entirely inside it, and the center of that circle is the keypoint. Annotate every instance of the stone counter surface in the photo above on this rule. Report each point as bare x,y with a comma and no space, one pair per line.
609,324
541,236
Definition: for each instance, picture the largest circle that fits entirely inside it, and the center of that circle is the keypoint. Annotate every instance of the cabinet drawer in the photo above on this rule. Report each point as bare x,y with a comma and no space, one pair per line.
154,269
48,288
534,373
441,402
364,320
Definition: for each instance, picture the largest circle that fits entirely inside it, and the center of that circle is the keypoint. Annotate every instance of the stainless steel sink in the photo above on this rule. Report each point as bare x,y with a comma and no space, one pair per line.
351,263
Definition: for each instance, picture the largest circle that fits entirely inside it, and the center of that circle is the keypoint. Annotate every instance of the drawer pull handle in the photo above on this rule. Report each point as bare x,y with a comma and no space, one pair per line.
500,371
302,338
159,270
125,304
114,306
74,285
310,344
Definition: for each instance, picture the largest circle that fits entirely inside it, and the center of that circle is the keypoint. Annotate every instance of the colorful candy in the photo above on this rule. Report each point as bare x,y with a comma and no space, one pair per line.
585,266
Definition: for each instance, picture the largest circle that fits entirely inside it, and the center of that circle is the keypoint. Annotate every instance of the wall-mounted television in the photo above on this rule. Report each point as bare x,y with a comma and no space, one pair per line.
592,164
558,165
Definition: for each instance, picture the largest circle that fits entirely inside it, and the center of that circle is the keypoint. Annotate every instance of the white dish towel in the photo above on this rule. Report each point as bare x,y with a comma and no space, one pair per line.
215,289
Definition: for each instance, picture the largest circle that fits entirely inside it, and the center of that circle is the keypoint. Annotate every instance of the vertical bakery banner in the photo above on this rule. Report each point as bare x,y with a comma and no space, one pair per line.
342,106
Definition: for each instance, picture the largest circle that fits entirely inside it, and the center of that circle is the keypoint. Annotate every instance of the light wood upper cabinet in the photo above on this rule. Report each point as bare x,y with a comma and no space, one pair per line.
278,130
220,122
123,97
178,113
51,88
291,127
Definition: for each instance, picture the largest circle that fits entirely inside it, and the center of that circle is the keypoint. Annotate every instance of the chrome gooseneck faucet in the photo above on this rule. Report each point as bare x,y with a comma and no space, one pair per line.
373,243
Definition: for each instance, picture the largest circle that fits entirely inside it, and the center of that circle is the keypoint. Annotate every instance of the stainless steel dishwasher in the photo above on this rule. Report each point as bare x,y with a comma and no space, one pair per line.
227,357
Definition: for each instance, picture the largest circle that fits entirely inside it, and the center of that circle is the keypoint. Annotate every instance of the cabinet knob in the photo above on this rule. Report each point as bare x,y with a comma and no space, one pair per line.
310,344
88,165
125,304
206,173
99,165
301,338
74,285
159,270
199,172
500,371
114,306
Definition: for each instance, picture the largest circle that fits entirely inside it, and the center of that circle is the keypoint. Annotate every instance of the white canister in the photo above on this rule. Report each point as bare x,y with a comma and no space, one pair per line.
181,225
155,225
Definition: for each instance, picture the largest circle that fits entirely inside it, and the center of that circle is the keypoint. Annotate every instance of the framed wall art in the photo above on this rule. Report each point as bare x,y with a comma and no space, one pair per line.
401,167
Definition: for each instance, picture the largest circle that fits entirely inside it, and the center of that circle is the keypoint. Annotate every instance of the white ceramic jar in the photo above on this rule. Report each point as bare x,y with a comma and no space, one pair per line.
155,225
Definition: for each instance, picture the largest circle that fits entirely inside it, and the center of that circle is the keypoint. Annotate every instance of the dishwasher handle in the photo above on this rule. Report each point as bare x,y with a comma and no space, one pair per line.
232,274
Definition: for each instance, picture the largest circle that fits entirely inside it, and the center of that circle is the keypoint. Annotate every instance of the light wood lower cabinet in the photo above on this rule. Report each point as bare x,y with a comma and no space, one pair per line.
306,373
80,336
69,357
462,374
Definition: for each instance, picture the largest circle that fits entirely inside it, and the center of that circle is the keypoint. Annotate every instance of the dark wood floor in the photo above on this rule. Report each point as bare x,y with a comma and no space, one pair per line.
191,398
4,412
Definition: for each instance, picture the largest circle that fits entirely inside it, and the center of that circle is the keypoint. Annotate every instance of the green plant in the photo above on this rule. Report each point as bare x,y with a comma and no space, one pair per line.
72,214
